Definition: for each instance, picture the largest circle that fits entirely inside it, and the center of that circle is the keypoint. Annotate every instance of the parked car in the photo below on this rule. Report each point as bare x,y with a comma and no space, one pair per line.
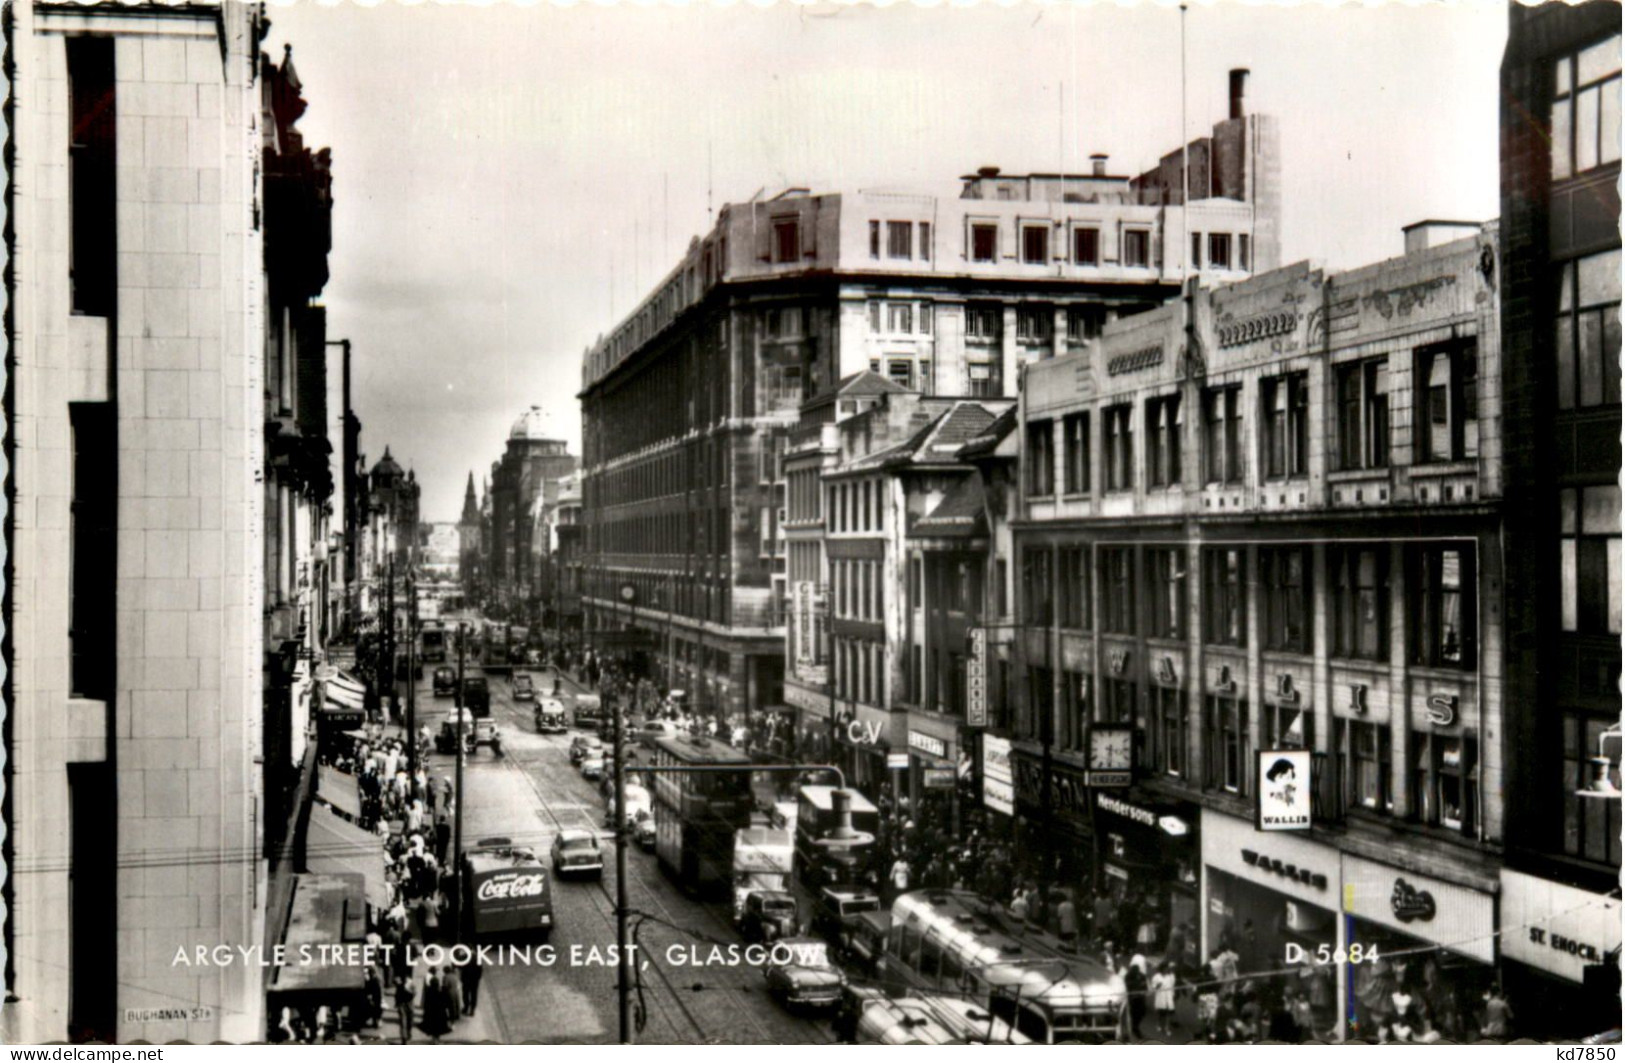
581,746
477,695
802,975
769,915
577,852
523,688
445,682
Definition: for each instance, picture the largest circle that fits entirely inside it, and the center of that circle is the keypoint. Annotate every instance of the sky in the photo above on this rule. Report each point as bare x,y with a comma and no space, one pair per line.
509,180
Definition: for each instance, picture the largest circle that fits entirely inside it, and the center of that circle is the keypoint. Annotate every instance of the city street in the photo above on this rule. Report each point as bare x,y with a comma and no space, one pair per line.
530,794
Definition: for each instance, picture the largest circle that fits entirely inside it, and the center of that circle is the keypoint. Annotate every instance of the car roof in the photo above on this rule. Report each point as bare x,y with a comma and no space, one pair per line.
572,834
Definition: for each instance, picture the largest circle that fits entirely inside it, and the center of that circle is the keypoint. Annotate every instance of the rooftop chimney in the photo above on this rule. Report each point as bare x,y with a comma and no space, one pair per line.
987,171
1238,91
1098,164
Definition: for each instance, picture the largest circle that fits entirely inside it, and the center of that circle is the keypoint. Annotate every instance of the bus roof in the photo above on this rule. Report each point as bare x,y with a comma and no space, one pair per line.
819,797
697,749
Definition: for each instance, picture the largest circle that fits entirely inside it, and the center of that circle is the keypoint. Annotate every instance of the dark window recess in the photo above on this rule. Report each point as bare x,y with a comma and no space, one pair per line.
91,136
93,512
92,903
1442,609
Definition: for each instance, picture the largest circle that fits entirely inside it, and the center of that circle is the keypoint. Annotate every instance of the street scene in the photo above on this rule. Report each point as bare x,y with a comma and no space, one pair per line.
811,524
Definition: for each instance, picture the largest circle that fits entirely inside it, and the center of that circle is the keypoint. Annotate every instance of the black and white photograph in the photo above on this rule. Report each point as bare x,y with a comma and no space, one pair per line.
810,523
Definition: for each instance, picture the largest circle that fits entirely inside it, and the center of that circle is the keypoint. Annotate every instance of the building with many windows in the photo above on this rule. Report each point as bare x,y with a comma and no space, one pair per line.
524,487
787,296
1560,286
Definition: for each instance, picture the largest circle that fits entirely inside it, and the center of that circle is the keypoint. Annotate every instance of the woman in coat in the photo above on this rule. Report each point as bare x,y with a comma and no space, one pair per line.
1138,985
436,1021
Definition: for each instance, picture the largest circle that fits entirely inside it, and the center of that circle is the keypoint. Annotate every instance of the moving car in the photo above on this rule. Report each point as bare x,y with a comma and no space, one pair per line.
768,916
477,695
836,908
551,718
592,765
643,831
800,974
476,732
523,688
576,852
445,682
582,746
589,709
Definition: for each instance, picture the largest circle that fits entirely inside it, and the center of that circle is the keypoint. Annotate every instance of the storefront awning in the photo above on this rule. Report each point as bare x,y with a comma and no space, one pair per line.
336,846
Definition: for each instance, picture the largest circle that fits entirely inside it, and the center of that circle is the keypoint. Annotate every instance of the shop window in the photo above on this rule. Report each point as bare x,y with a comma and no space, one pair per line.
1447,402
1286,425
1359,601
1591,827
1119,448
1585,109
984,243
1225,727
1589,563
1365,758
1040,458
1168,730
1443,614
1362,415
1288,727
1165,574
1164,426
1445,770
1226,579
1117,590
1075,432
1221,420
1284,580
1588,336
1075,588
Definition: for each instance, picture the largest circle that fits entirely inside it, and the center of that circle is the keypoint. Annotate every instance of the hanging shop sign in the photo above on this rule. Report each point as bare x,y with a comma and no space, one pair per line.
998,784
927,744
976,679
1283,789
938,778
897,761
1556,928
1456,917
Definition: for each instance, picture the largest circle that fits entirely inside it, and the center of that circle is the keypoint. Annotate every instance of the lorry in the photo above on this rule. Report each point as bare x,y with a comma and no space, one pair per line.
507,890
763,860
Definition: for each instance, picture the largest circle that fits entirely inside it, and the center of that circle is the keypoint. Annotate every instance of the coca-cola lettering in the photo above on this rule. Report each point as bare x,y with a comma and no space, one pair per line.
512,887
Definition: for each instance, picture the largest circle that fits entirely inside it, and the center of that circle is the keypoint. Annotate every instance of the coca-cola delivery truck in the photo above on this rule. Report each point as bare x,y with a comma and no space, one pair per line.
506,891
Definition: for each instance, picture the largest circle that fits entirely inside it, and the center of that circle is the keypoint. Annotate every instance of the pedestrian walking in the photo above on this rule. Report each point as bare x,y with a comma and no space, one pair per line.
1138,986
1497,1014
470,974
453,986
434,1021
1163,984
1066,922
404,992
374,991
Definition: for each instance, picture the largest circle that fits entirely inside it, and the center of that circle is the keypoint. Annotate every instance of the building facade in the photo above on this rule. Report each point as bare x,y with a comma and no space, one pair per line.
166,498
524,488
1560,286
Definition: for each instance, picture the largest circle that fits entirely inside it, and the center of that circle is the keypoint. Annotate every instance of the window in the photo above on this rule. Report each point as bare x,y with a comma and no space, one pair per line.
900,317
1166,583
1218,250
984,243
1122,702
925,319
874,316
1163,428
787,240
1117,592
1086,247
1136,247
1362,415
1244,251
1286,425
1359,578
1040,458
1196,250
899,239
1284,580
1445,770
1588,337
92,135
93,515
1225,726
983,323
1074,720
1033,323
1442,611
874,239
1168,730
1075,432
901,372
1589,565
1035,244
1119,449
1288,727
1365,753
1221,420
1226,578
1075,580
1447,401
1084,323
1591,828
1585,109
925,240
1037,586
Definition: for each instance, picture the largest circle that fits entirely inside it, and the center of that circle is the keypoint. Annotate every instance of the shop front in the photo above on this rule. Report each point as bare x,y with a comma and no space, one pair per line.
1560,958
933,766
1054,834
1147,854
862,741
1435,947
1272,898
811,708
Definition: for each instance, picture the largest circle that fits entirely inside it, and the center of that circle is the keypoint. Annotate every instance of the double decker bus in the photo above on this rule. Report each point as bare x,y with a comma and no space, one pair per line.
432,642
956,942
696,814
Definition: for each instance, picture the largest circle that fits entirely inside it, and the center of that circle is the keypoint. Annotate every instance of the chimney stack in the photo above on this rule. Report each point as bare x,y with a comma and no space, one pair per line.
1238,92
1099,164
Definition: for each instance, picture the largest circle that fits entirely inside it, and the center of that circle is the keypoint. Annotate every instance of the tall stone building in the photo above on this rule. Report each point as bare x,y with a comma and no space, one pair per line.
167,480
787,296
524,481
